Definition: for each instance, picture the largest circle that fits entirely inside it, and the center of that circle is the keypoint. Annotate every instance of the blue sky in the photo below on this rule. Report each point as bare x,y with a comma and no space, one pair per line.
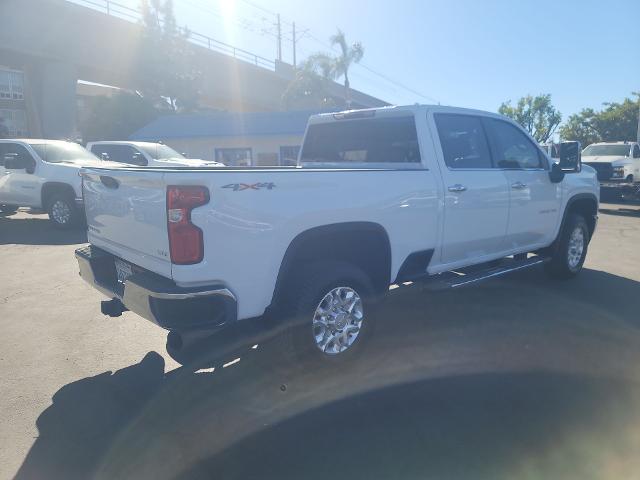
465,53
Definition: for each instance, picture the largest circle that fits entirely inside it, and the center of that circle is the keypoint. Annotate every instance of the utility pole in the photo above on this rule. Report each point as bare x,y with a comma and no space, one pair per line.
638,134
294,59
279,40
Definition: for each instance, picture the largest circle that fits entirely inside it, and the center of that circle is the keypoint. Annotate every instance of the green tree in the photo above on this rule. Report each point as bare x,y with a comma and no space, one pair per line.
165,70
117,117
536,114
310,88
580,127
349,54
338,66
615,122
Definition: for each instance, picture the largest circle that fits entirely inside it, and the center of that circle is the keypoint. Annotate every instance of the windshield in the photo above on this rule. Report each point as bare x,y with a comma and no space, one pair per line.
159,151
55,152
607,150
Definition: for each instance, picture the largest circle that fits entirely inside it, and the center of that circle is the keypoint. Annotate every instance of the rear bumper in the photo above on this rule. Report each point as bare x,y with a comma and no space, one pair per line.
157,298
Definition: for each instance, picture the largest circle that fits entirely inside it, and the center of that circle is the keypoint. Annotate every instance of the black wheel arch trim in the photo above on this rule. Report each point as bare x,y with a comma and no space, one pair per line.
51,188
297,246
575,198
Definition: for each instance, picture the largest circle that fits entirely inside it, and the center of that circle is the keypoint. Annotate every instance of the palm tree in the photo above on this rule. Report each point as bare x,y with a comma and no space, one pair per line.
338,66
349,55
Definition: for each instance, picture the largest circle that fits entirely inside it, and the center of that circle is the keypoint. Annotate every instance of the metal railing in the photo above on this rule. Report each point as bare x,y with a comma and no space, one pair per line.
124,12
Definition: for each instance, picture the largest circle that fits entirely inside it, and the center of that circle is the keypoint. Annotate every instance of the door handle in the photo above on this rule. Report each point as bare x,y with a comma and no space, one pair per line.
518,186
457,188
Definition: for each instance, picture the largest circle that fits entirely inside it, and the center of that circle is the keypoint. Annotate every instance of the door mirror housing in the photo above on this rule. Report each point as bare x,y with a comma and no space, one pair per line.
570,157
14,162
556,174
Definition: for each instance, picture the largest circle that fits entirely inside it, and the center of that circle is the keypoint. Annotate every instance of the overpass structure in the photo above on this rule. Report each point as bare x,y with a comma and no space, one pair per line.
46,46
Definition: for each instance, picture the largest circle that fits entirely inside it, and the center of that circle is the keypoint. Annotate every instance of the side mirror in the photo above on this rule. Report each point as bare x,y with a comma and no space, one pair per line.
570,157
556,175
14,162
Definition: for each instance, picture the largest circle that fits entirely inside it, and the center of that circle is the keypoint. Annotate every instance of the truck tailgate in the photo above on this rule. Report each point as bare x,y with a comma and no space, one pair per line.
126,215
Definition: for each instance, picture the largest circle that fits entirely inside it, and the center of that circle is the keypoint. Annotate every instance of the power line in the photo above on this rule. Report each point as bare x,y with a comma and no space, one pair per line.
244,23
247,24
395,82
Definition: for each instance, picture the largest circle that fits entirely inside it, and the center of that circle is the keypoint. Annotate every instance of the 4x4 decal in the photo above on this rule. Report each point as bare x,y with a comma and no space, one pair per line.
238,187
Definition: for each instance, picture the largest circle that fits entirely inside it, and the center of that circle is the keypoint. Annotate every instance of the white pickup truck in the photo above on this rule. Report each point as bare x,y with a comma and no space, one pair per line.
421,193
144,154
615,162
44,174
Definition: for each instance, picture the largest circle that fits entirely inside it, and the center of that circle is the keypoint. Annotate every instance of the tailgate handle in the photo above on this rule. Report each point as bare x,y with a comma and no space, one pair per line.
109,182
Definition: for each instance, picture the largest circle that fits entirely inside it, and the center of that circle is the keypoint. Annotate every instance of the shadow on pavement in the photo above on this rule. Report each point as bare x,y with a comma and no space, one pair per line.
37,231
85,417
487,426
625,212
518,378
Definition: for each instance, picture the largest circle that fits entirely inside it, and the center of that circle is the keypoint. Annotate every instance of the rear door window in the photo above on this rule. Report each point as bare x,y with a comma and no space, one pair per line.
636,151
17,151
463,141
371,140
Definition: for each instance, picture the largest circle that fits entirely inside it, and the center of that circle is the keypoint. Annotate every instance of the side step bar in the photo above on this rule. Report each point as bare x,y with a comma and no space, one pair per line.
469,276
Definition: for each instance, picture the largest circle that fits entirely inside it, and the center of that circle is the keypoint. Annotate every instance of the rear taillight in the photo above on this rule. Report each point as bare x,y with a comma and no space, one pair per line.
185,239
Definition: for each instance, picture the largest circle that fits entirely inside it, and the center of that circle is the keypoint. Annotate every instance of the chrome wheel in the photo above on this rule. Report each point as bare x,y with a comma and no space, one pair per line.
61,212
576,248
337,320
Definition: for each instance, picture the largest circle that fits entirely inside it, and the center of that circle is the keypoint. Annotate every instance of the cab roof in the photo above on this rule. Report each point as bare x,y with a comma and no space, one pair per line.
394,110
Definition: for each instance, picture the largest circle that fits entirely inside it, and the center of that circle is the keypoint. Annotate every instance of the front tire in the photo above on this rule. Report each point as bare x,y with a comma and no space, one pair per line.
62,211
570,250
329,313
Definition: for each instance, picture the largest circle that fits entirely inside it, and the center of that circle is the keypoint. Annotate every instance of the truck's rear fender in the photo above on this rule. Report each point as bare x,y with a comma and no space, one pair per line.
363,244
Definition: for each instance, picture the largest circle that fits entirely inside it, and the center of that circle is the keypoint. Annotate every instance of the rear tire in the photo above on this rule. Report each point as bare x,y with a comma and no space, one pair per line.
62,211
570,249
329,314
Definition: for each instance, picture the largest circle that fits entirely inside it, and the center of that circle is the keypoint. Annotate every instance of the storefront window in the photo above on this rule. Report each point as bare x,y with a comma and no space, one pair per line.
236,157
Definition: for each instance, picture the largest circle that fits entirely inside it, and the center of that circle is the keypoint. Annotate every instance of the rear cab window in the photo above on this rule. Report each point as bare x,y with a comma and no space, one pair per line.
369,141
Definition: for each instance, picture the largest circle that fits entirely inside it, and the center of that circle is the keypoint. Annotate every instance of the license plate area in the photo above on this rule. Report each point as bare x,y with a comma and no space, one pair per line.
123,270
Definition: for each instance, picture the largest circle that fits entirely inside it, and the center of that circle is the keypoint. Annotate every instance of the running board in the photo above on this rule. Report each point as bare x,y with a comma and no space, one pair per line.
469,276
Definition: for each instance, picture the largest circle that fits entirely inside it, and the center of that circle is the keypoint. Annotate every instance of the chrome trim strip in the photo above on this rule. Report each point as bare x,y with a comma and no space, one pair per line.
498,273
181,296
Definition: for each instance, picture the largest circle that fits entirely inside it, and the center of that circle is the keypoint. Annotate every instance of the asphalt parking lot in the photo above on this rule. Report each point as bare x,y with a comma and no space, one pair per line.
521,377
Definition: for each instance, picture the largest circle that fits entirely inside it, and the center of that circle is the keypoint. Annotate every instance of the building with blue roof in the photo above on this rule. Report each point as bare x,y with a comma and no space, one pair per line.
252,138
